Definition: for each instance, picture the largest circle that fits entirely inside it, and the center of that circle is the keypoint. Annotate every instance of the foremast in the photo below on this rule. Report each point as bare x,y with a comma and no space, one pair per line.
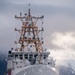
29,33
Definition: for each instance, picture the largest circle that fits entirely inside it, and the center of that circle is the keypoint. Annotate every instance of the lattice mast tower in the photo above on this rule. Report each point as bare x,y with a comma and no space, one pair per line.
29,33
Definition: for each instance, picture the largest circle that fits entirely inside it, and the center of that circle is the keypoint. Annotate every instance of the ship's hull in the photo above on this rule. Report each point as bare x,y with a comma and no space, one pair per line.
35,70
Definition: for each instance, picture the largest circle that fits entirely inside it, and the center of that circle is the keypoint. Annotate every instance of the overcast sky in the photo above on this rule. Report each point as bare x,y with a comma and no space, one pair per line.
59,24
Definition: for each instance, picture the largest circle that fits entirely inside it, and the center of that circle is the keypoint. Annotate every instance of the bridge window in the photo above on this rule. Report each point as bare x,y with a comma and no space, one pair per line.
16,55
30,56
21,56
26,56
35,55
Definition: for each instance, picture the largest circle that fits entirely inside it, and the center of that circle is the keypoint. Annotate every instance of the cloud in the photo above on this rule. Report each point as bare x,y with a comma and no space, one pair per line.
64,40
44,8
63,57
64,50
44,2
3,20
6,32
59,23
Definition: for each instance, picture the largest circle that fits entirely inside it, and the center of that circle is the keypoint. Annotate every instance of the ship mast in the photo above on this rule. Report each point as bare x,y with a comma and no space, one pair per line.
29,33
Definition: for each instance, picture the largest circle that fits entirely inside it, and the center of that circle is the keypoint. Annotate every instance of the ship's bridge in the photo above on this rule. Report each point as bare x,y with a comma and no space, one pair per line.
27,55
32,57
21,59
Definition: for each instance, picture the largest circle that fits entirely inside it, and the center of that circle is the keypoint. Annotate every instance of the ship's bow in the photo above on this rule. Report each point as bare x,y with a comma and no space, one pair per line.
37,70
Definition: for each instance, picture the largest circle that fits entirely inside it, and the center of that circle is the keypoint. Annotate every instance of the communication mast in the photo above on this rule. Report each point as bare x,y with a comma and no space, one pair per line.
29,33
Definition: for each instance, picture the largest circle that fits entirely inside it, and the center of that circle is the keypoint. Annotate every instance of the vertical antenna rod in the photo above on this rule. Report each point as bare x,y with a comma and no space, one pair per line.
29,10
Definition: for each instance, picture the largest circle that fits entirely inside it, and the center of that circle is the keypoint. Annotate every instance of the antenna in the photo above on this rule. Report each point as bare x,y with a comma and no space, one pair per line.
29,10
